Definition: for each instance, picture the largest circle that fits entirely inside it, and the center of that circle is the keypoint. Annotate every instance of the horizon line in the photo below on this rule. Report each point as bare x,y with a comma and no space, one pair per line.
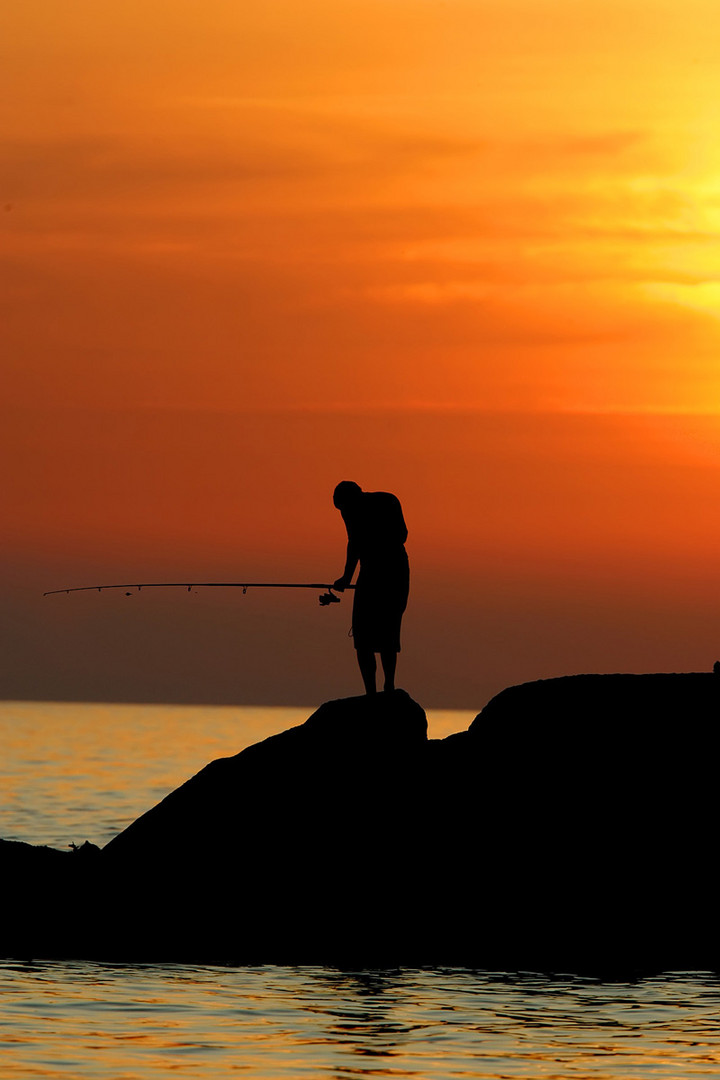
211,705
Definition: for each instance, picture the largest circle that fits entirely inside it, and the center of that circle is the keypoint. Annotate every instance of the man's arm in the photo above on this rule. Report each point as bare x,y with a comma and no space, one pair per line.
351,561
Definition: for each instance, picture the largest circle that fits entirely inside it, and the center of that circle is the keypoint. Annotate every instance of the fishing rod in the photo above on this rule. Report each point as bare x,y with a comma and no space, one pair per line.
328,597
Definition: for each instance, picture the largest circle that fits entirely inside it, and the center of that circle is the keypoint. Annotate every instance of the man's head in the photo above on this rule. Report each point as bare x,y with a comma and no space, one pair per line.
346,493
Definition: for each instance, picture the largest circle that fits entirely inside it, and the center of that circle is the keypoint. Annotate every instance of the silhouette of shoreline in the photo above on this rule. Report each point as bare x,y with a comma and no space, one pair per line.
571,827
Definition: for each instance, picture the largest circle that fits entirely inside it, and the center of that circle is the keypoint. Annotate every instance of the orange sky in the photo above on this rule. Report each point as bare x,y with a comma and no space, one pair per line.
464,250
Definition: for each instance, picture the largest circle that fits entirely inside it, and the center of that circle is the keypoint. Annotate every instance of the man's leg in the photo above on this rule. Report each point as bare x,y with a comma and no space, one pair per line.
389,660
368,667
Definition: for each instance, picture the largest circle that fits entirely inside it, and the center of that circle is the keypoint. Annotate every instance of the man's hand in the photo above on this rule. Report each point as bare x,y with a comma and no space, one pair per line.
340,585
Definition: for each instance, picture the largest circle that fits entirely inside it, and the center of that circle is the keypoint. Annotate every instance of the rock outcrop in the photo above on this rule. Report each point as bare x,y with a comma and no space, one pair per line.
571,827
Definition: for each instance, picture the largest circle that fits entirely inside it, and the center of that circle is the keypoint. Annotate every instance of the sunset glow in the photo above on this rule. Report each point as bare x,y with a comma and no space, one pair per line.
462,250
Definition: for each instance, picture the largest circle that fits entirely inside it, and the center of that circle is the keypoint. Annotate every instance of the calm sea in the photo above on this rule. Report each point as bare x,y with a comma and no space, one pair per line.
70,773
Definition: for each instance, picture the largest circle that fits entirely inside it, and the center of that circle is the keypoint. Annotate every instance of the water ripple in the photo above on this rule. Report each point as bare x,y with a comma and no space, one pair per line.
125,1022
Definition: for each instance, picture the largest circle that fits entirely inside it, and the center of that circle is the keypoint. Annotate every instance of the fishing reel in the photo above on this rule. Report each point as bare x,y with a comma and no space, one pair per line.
328,598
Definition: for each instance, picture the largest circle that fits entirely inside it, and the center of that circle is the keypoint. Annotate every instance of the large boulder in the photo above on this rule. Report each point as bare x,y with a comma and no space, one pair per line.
609,784
296,848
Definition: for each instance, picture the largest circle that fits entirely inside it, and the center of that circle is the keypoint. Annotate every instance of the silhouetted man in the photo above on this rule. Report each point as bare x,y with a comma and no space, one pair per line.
376,539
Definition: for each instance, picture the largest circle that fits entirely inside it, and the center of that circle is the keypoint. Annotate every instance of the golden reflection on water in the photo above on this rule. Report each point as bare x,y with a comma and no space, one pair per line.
76,772
122,1022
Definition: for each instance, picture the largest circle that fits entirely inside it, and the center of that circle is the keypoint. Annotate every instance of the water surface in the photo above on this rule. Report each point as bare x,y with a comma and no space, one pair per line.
116,1023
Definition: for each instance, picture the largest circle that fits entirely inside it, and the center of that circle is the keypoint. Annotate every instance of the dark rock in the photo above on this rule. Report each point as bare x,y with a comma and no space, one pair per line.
42,895
286,849
572,827
614,811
